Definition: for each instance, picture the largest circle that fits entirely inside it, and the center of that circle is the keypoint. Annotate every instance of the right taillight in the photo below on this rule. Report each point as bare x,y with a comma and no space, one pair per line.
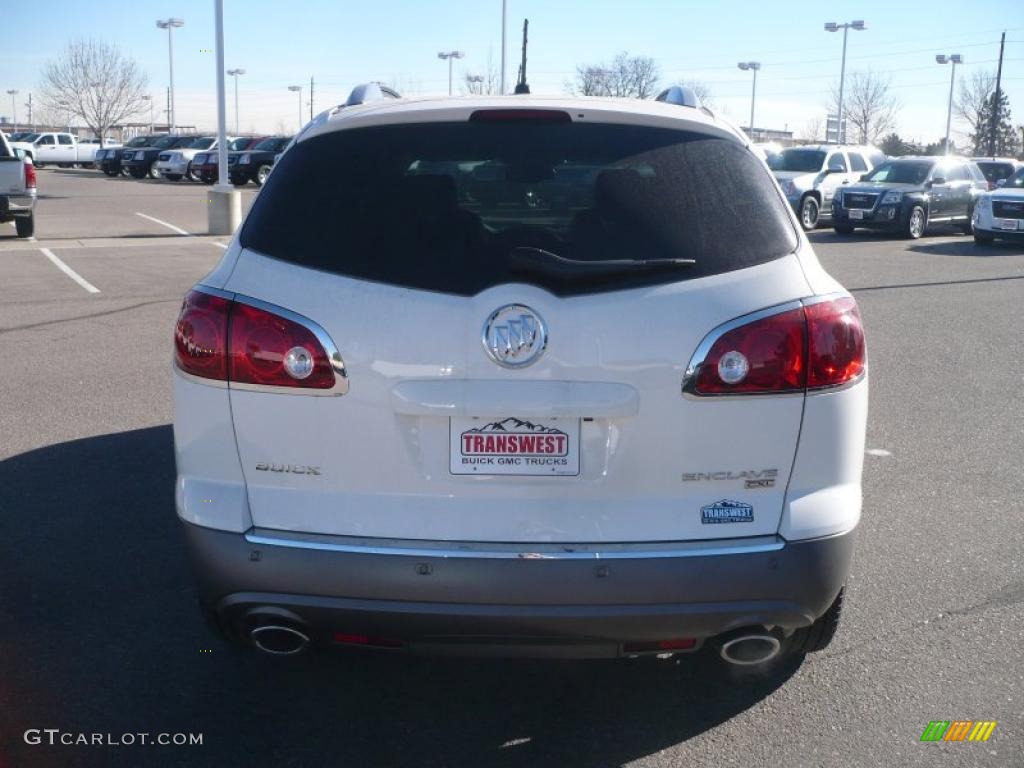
254,346
30,175
812,346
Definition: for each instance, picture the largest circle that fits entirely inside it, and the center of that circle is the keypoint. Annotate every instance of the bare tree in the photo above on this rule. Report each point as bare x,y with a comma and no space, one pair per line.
813,130
701,89
626,76
93,81
868,107
482,84
973,101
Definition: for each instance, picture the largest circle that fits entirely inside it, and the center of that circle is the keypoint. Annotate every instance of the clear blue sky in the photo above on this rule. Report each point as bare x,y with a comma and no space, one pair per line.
344,43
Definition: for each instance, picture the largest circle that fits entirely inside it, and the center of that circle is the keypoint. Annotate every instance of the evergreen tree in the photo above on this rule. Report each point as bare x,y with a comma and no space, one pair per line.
1007,140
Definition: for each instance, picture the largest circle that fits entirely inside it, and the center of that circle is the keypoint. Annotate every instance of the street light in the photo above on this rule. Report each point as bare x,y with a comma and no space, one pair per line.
298,90
753,66
954,59
235,73
150,100
450,55
831,26
170,25
14,109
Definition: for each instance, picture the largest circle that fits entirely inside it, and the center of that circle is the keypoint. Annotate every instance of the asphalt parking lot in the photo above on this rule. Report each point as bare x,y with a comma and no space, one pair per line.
99,632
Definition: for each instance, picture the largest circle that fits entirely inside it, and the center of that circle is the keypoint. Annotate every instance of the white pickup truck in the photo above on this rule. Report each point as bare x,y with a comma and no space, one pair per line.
59,148
17,189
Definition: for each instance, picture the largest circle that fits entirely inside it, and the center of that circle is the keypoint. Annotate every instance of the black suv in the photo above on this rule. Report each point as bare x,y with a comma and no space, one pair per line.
140,162
255,164
109,160
906,194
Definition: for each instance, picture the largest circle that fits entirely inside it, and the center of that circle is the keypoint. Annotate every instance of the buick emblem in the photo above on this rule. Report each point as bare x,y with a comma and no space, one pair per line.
515,336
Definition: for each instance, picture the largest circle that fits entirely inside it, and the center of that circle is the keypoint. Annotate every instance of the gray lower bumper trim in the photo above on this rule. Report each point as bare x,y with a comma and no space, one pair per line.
420,591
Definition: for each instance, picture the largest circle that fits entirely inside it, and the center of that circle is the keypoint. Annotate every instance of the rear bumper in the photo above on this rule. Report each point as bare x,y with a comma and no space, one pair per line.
475,601
17,205
1016,236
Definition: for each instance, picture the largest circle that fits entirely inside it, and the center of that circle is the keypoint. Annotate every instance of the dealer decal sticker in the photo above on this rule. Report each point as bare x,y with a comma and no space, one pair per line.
726,511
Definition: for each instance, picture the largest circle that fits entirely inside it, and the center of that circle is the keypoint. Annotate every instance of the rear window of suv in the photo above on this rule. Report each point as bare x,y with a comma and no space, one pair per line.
452,207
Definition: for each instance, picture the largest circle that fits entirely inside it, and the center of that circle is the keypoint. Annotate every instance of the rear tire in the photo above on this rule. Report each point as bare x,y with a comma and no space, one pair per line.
915,224
843,229
190,174
809,213
25,225
261,175
152,172
818,636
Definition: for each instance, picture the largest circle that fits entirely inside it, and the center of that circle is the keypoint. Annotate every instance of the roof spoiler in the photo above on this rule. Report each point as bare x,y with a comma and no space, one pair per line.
366,92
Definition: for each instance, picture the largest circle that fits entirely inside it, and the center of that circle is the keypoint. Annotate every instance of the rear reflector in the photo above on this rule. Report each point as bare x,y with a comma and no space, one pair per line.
520,115
376,642
815,346
655,646
217,338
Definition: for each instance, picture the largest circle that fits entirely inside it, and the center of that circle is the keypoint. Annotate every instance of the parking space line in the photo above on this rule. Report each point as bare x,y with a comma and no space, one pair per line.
69,271
179,230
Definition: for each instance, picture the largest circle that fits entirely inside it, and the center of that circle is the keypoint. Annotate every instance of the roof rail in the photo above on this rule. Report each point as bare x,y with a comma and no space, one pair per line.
370,92
680,95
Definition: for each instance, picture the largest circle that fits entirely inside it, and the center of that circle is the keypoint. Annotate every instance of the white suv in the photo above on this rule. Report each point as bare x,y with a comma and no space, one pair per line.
521,376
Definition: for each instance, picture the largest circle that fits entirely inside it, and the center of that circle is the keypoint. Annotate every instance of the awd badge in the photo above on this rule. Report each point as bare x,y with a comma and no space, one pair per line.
726,511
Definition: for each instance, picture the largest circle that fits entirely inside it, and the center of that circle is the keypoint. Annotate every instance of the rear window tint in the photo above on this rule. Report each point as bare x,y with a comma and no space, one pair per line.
442,206
996,171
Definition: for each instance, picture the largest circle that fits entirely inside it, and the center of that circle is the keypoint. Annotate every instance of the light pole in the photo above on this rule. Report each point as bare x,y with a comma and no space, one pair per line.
150,100
170,25
753,66
954,59
235,73
225,211
14,109
501,88
450,56
298,89
831,26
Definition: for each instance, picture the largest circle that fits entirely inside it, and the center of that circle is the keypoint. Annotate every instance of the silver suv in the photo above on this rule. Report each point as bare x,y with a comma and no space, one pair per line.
810,176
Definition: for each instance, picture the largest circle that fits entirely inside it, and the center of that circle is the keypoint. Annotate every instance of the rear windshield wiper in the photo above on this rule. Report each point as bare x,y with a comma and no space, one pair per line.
537,258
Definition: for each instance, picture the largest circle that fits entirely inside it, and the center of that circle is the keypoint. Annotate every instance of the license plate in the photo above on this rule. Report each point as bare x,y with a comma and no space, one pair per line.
514,446
855,214
1006,223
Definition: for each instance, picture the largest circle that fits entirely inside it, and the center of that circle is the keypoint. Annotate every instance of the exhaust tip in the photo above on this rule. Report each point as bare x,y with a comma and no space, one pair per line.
747,650
279,640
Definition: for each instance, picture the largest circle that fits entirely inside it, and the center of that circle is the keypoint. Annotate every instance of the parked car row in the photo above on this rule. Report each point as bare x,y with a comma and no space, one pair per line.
62,149
193,157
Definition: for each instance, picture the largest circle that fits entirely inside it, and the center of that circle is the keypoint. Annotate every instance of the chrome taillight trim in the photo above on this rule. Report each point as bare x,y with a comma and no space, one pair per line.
341,382
689,383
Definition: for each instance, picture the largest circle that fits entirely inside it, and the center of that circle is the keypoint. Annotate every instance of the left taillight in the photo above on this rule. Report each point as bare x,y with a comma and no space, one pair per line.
201,336
231,341
30,175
